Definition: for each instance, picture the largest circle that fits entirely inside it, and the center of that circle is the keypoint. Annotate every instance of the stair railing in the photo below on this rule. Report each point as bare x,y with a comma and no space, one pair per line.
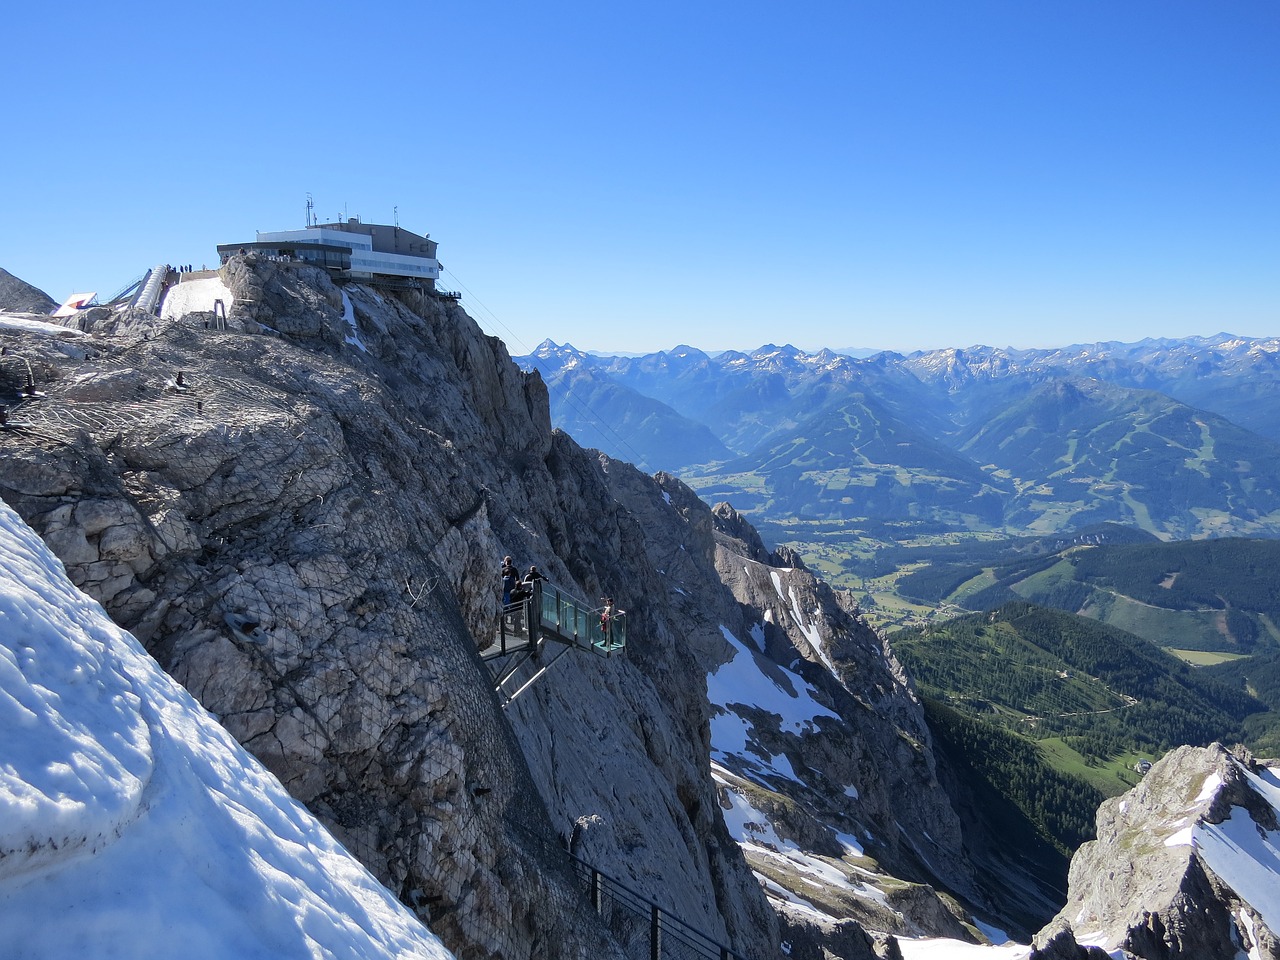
645,930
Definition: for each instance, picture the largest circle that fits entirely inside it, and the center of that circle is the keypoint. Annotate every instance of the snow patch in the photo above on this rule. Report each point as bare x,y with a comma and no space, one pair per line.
1246,922
195,296
349,315
943,949
779,892
768,686
24,325
852,845
809,629
994,934
1247,859
754,832
1211,785
130,819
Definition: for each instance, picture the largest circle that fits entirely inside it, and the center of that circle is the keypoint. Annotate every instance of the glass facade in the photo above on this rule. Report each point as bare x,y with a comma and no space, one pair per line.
365,261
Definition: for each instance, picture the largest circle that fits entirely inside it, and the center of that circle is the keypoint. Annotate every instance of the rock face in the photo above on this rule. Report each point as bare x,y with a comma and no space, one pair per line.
302,517
868,802
18,296
1184,867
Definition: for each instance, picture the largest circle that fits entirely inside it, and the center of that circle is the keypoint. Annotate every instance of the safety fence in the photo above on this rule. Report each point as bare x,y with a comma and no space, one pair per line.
547,612
576,622
645,930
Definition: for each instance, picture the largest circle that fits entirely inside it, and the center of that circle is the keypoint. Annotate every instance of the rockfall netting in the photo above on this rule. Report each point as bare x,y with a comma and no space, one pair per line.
266,523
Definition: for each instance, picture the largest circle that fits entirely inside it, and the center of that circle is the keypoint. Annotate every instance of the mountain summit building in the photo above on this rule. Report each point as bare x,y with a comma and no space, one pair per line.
351,250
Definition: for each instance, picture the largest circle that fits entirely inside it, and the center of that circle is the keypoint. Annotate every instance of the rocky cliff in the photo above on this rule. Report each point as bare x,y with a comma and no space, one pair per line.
18,296
1184,867
133,826
301,516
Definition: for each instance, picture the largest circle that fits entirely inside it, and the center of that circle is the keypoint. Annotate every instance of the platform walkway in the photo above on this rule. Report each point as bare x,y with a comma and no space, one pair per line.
148,298
548,615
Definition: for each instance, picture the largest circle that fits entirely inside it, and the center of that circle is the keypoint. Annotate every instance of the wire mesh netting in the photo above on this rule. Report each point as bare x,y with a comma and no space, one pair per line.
287,509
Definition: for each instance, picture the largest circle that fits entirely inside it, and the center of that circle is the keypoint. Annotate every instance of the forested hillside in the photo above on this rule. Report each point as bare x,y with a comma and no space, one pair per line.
1259,677
1095,698
1203,595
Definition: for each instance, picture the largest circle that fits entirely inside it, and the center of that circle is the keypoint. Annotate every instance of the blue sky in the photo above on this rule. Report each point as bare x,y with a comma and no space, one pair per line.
888,174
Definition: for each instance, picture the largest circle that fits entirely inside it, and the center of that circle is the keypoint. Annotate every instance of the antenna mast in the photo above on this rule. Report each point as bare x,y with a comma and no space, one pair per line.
310,207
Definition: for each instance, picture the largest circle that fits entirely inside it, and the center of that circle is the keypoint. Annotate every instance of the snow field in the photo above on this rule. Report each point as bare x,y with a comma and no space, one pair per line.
193,296
133,826
1245,856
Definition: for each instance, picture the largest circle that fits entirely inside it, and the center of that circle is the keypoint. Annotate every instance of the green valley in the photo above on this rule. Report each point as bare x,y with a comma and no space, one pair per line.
1073,706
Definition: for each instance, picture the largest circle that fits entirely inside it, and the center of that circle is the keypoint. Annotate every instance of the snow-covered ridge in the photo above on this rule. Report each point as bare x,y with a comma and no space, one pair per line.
78,753
1242,852
132,825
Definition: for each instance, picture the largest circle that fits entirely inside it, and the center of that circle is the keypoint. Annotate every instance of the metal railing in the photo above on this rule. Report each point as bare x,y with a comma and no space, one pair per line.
546,613
574,622
645,930
513,632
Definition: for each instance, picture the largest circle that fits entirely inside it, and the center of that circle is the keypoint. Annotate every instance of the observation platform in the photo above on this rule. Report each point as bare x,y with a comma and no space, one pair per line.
548,615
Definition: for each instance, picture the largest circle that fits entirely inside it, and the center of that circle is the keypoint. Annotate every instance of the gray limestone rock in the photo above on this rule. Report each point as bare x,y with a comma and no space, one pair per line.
306,532
18,296
1173,874
1057,942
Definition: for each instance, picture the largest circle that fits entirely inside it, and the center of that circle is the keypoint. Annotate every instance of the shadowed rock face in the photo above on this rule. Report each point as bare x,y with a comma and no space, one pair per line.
18,296
1156,882
305,529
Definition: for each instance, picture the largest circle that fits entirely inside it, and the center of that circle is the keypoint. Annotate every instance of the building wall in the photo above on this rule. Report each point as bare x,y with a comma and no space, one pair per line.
387,239
338,238
395,265
376,249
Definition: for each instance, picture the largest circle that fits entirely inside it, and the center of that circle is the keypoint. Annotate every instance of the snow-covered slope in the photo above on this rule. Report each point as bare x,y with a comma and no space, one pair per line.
132,825
196,295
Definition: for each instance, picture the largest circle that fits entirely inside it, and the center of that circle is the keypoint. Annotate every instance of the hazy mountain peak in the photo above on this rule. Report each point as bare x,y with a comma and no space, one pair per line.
684,350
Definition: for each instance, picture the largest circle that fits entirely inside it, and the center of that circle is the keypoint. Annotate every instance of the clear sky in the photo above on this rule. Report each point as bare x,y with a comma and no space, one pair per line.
891,173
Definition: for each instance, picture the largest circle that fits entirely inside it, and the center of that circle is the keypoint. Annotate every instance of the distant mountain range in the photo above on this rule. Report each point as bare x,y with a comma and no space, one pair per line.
1178,437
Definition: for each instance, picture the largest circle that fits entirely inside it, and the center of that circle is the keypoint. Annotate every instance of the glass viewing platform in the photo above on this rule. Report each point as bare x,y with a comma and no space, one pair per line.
549,613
